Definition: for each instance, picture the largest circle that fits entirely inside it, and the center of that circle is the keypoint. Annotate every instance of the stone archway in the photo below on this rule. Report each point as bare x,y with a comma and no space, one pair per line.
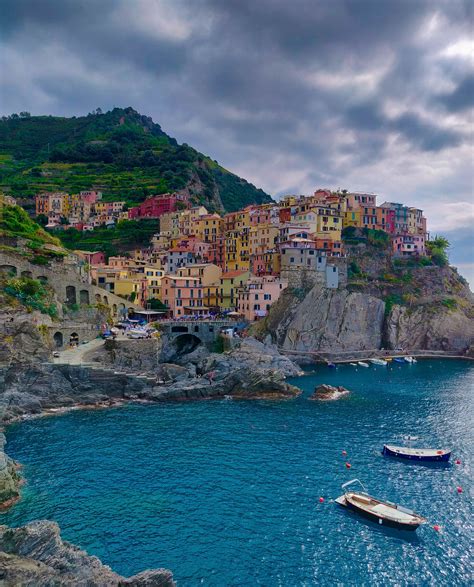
114,309
84,297
106,300
98,299
186,343
9,270
27,274
74,338
71,297
58,339
43,278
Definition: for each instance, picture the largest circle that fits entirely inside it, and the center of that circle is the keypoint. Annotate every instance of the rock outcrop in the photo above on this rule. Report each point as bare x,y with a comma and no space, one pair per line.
428,327
326,392
9,478
35,555
434,312
327,320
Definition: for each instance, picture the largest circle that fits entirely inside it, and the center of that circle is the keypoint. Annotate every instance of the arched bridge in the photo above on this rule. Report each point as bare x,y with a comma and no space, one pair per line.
181,337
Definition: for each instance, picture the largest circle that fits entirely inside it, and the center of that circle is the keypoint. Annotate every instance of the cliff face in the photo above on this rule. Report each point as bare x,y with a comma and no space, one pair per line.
331,320
426,308
36,555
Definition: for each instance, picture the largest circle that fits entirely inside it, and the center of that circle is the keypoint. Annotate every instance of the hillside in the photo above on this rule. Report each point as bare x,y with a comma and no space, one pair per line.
122,153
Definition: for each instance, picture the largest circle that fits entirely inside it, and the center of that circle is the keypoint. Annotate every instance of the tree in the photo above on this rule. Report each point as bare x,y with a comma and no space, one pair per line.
437,249
42,219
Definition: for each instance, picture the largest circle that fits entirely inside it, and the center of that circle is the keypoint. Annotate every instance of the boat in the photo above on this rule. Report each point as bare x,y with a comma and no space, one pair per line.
362,364
399,360
378,361
331,365
384,513
416,454
354,364
409,360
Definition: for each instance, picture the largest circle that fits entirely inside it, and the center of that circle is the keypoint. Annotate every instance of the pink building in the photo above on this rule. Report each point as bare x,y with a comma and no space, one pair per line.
258,294
408,245
182,295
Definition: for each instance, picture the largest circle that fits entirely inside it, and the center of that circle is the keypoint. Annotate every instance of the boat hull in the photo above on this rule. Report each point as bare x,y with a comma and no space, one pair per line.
381,521
436,458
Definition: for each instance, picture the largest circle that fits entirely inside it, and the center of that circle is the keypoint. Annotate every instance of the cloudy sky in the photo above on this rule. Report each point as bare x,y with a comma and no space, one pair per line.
368,95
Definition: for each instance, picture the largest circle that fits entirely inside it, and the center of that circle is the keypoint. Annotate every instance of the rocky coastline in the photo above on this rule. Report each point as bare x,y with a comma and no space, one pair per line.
32,385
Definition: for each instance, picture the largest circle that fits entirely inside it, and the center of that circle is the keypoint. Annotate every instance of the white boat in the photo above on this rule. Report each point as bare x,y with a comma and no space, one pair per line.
362,364
409,359
383,512
416,454
378,361
353,364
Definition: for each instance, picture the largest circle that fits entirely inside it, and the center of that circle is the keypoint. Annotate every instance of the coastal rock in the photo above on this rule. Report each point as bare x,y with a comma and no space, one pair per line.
326,392
9,478
427,327
20,336
327,320
35,555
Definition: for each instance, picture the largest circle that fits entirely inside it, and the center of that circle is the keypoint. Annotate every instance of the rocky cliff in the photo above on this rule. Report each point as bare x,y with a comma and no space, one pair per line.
35,555
417,308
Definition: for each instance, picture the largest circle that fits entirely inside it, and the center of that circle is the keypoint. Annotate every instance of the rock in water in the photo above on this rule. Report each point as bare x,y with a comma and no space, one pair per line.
328,392
36,555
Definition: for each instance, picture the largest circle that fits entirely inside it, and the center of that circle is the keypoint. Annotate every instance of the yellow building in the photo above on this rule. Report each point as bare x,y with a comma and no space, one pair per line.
187,219
229,283
328,223
153,276
352,218
237,255
208,228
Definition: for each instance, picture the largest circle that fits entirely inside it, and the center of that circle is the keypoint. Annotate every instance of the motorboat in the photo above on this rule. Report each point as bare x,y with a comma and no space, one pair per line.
353,364
331,365
362,364
378,362
416,454
409,360
399,360
383,512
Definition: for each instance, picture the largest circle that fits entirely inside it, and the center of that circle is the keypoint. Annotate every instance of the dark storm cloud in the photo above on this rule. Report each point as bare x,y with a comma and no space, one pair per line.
289,94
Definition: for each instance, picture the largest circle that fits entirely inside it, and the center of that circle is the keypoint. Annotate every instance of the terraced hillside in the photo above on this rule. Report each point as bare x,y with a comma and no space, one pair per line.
122,153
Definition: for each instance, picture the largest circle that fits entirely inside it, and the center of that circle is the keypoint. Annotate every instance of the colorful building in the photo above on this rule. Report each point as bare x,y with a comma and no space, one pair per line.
257,295
230,282
156,206
408,245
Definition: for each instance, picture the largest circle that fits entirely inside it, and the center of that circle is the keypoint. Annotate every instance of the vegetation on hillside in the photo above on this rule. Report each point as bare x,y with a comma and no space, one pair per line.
125,236
122,153
30,293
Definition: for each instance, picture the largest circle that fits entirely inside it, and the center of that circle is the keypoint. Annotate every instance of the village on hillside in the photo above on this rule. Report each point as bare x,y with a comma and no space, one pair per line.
200,263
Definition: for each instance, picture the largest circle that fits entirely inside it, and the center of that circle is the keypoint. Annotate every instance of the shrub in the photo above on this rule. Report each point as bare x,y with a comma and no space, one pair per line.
450,303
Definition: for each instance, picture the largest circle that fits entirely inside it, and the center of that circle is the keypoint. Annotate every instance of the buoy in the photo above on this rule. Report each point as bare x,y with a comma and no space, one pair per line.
458,461
348,465
321,500
459,489
436,528
344,453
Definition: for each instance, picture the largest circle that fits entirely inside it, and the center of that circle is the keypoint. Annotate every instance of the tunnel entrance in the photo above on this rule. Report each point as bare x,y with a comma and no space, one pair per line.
186,343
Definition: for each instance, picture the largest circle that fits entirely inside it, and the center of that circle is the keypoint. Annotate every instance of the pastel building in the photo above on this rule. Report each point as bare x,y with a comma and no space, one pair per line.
408,245
258,294
230,282
156,206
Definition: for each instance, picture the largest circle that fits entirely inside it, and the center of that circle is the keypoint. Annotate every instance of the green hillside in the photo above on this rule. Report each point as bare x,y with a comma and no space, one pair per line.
122,153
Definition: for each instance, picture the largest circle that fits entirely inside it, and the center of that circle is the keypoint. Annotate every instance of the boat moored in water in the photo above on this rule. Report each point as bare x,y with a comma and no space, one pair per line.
362,364
378,361
409,360
399,360
416,454
384,513
353,364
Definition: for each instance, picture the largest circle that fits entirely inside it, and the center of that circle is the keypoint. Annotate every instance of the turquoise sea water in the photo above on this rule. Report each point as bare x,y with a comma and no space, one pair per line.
227,492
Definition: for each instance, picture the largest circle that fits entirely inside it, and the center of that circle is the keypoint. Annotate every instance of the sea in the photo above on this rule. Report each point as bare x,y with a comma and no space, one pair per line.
227,492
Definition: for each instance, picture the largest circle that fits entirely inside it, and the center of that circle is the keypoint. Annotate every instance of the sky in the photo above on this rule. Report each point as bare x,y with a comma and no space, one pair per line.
365,95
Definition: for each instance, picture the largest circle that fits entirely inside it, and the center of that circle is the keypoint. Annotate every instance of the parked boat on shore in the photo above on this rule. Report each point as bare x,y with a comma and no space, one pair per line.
384,513
416,454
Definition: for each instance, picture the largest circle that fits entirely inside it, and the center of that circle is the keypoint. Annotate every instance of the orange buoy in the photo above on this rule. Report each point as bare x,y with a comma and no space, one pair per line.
436,528
459,489
344,453
348,465
321,500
